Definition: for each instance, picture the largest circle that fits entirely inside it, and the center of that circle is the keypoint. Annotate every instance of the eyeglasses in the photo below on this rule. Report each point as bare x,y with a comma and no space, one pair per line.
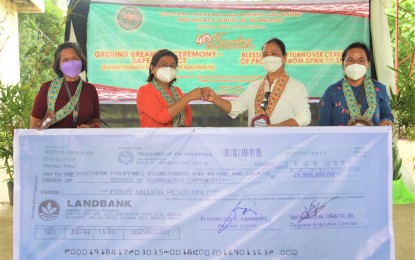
173,66
358,61
264,103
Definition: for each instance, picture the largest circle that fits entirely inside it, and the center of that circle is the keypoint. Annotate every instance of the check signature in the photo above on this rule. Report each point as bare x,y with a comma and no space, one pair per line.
237,209
313,209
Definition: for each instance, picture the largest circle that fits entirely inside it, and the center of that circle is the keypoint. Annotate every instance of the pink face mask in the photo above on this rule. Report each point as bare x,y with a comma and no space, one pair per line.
71,68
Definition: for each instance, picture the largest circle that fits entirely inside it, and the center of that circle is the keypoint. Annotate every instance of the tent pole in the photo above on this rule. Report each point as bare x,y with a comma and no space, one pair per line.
396,47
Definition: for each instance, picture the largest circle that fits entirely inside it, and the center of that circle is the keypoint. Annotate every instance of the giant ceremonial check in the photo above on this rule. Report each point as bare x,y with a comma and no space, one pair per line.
204,193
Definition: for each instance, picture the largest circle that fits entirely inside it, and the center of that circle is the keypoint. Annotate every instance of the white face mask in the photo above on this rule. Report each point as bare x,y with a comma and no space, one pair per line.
271,63
355,71
166,74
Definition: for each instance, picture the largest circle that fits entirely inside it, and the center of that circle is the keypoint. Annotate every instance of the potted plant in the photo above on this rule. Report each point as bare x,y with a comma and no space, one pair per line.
404,107
15,106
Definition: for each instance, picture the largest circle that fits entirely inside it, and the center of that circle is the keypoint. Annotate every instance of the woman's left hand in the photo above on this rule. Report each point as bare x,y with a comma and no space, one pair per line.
386,122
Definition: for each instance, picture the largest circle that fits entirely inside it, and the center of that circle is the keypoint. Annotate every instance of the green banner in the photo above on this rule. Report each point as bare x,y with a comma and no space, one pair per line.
220,47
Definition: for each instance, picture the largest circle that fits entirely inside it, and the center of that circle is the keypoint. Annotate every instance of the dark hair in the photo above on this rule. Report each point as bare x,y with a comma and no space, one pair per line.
277,42
67,45
359,45
156,57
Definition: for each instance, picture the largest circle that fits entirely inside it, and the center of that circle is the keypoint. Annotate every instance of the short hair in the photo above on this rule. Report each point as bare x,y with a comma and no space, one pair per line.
359,45
277,42
156,57
66,45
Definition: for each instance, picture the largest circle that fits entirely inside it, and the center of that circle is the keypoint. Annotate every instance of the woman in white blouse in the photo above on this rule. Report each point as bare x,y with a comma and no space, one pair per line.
275,100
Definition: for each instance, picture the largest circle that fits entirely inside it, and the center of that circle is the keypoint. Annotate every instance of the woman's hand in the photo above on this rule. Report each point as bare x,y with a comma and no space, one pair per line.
195,94
43,123
208,94
386,122
93,124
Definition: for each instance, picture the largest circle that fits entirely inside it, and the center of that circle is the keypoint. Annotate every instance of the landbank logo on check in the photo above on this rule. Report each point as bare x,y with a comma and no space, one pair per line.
48,210
125,157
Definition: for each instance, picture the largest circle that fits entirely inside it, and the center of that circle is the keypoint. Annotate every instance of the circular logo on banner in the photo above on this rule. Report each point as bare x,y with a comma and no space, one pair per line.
129,18
125,157
48,210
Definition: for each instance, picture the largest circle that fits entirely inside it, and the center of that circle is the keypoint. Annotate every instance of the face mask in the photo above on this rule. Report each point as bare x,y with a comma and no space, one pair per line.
71,68
271,63
355,71
166,74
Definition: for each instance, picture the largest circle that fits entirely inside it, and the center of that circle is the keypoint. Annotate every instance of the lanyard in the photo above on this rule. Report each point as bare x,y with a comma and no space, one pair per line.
75,111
